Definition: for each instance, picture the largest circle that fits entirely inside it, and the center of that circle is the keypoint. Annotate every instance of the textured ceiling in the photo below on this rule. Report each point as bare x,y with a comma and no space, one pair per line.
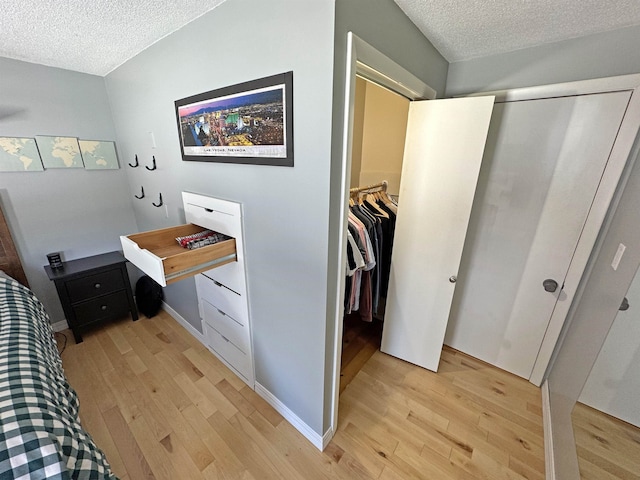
91,36
96,36
464,29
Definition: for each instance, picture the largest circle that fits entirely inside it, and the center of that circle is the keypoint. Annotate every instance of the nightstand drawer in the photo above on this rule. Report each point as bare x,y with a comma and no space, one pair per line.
96,285
108,306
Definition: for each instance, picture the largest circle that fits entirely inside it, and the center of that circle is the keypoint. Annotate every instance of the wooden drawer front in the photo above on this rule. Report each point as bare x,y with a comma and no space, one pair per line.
95,285
108,306
222,297
226,326
229,352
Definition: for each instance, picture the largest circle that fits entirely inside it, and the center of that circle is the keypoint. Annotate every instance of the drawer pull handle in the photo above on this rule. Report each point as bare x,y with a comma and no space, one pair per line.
218,284
221,312
97,285
103,307
208,210
225,338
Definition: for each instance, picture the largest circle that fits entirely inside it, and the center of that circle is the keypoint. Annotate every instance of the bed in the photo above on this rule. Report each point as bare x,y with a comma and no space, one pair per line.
40,432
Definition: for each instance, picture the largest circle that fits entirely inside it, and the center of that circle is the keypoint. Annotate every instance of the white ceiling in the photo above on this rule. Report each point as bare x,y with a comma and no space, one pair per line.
464,29
96,36
91,36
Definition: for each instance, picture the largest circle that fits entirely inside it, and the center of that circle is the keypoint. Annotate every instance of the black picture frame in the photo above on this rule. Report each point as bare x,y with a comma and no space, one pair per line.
249,123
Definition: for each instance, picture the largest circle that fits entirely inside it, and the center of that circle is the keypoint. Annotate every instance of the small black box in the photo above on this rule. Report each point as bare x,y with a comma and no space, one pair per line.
55,260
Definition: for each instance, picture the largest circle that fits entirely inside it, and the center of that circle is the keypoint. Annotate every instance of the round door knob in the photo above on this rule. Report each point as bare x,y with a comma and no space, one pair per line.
625,304
453,279
103,307
97,285
550,285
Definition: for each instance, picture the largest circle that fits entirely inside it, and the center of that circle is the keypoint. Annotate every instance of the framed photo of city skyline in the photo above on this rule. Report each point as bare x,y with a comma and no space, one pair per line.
251,122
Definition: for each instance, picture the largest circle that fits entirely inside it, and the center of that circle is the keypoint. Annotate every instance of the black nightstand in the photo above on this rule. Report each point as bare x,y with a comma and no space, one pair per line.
93,289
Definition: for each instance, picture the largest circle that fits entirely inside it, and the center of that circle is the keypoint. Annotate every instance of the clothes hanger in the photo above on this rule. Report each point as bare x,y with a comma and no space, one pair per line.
371,201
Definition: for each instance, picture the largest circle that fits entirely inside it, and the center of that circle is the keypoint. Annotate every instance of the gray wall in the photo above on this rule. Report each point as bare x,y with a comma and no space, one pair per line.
382,24
601,55
285,209
75,211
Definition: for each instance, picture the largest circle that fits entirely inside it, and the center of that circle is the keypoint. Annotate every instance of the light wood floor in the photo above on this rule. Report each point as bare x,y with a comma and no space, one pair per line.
608,448
162,406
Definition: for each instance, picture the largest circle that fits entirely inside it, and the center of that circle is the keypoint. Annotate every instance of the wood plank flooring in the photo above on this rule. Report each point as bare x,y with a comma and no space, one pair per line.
607,448
162,406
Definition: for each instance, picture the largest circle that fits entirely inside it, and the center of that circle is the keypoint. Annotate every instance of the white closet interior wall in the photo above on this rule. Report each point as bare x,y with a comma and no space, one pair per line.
380,124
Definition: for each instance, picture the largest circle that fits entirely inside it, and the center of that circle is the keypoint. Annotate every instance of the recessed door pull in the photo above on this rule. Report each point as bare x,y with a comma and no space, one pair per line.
624,305
550,285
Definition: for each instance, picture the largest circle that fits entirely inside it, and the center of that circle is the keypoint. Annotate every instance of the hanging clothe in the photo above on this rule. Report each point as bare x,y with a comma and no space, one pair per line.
371,223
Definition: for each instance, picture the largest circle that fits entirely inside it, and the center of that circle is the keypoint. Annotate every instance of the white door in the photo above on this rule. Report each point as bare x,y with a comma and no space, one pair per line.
443,152
613,386
544,161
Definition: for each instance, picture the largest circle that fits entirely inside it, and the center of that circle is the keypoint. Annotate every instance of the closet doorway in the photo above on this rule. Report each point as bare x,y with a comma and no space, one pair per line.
436,199
379,130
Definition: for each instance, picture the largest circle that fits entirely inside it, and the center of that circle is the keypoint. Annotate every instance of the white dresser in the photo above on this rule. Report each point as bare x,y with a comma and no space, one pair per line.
222,291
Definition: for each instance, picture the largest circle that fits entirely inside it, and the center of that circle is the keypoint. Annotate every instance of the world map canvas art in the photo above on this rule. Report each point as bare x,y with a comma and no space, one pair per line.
99,155
19,155
59,152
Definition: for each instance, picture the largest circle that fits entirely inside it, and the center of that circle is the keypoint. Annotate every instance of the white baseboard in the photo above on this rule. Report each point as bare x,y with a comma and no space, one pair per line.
549,463
318,441
182,321
59,326
326,438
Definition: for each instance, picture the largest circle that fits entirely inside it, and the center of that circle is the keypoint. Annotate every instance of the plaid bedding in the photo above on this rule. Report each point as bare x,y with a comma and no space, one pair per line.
40,433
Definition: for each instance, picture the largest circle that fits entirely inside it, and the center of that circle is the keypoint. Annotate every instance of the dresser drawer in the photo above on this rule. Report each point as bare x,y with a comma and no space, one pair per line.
157,253
94,285
231,354
222,297
226,326
107,306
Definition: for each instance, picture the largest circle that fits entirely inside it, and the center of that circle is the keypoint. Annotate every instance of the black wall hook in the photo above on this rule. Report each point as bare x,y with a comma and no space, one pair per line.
137,163
159,204
154,164
141,194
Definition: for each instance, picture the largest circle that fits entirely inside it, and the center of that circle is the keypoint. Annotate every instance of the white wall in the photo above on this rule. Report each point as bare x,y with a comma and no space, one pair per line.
285,209
384,128
75,211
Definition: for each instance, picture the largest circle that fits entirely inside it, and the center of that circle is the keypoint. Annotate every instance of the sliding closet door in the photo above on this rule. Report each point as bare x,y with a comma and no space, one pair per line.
546,159
443,152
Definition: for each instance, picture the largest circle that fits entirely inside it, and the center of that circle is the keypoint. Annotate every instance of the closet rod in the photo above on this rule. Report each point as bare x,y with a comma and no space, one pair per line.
382,186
